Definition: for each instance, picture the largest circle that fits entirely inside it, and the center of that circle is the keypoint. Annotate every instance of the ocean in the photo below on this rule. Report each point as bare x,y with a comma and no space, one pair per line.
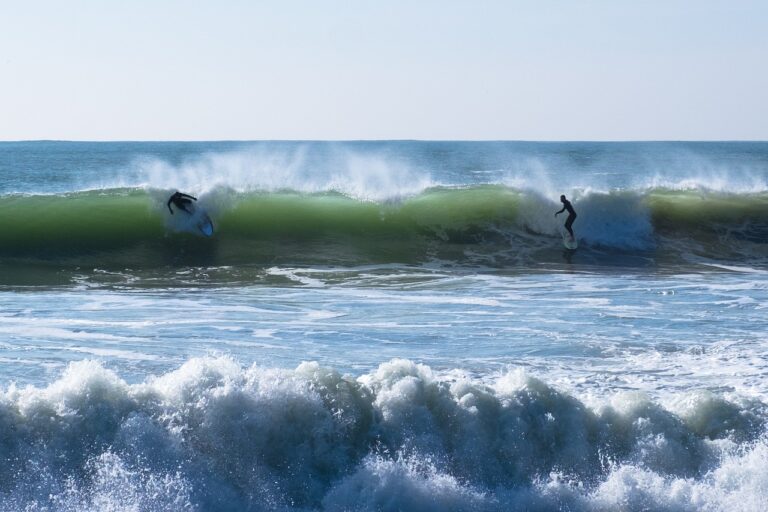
389,325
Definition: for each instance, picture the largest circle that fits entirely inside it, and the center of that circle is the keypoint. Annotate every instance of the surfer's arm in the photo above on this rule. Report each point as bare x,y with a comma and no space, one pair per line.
561,211
189,196
169,206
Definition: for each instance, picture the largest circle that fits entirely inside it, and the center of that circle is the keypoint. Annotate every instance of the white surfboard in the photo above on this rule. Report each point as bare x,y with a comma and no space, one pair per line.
569,241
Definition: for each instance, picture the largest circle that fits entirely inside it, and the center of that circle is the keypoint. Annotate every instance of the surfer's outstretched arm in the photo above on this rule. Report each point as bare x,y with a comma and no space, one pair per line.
561,211
169,205
189,196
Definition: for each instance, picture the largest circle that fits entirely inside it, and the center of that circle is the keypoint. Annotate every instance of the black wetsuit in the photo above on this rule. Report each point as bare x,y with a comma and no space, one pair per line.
182,202
571,215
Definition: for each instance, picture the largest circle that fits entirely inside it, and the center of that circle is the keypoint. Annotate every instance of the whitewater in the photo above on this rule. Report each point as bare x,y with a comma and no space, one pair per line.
386,325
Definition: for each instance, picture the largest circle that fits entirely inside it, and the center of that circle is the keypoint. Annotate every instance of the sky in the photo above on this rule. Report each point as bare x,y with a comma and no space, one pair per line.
363,69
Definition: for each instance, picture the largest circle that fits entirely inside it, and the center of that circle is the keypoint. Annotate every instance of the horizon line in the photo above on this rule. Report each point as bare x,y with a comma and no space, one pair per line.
544,141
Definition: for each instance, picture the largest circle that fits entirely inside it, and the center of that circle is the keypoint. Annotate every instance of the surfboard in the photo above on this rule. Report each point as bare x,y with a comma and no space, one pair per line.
205,225
570,242
197,219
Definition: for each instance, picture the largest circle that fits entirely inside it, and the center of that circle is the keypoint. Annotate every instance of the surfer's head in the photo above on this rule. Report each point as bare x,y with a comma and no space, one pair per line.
562,198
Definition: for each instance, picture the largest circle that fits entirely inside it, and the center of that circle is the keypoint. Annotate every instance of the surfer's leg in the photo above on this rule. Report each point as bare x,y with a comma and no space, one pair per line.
569,223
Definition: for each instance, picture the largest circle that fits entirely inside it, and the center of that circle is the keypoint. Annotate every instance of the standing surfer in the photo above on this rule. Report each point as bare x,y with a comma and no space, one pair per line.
181,201
571,214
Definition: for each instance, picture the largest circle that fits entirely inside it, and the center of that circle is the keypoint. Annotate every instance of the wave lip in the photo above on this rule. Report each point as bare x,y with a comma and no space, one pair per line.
215,435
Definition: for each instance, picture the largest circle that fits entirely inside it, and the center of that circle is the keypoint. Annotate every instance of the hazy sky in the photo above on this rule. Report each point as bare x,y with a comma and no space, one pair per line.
282,69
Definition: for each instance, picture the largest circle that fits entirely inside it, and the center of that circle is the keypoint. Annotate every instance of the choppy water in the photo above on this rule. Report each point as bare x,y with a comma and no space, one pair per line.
384,326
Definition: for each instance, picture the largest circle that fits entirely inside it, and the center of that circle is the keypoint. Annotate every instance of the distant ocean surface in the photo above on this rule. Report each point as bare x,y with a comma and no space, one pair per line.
384,326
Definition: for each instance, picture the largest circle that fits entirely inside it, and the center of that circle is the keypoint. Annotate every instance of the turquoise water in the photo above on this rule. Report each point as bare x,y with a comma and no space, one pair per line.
383,326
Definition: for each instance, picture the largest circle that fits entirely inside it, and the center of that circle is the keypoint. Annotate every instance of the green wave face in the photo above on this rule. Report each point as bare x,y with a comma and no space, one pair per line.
489,225
132,226
677,211
53,226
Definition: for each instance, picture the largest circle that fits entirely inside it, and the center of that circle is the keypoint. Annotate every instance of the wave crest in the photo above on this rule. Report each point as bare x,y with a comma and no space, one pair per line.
216,435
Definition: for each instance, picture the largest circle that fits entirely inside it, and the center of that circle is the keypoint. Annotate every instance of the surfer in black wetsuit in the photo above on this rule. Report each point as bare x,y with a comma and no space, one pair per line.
181,201
571,214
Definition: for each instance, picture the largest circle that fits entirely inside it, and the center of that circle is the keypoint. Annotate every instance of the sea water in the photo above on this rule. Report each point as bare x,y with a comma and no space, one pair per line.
384,326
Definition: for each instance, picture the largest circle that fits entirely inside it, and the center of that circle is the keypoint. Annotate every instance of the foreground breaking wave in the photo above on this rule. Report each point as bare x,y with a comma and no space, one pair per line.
215,436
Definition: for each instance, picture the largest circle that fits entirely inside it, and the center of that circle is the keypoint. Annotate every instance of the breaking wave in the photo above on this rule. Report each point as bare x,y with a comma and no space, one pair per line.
494,224
213,435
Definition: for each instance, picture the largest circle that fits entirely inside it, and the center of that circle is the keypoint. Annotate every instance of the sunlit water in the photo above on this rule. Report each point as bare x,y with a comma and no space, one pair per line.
386,326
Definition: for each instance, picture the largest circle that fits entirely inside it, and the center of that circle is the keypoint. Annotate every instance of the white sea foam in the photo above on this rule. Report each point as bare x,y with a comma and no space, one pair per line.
30,330
218,436
114,353
295,275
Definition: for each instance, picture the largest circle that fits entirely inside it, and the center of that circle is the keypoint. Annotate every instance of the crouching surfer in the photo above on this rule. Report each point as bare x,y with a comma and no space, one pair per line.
197,216
182,202
571,214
